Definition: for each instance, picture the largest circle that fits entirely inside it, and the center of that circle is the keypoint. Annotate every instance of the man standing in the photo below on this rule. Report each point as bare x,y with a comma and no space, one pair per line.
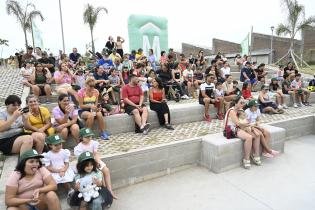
132,95
207,96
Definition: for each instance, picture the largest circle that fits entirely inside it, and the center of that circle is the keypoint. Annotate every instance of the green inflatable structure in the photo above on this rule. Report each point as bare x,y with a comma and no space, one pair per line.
148,32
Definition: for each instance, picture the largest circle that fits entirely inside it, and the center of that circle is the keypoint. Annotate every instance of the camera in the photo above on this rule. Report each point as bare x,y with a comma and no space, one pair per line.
25,110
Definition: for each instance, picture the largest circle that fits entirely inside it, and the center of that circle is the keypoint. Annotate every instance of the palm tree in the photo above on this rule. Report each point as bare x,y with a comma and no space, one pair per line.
23,16
296,20
90,16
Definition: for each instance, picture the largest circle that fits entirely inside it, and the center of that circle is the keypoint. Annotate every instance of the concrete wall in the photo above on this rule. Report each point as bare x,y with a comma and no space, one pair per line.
280,45
223,46
189,48
309,44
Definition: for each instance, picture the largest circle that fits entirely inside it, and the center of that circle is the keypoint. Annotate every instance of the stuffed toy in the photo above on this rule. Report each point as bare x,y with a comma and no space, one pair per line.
88,189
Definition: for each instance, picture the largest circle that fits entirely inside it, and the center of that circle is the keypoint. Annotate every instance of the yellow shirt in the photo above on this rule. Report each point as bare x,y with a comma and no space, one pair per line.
39,121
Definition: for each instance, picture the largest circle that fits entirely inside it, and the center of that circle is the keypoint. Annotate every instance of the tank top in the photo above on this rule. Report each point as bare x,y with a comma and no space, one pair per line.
40,79
157,95
177,75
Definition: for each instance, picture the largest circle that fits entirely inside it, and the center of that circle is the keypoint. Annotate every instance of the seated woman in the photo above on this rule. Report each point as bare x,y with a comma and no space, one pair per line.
198,77
188,75
12,139
63,79
31,186
254,118
66,117
89,110
276,90
250,142
266,104
158,103
177,77
38,119
41,80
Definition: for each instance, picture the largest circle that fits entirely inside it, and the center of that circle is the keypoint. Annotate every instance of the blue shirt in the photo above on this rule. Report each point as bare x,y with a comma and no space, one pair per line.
247,71
74,57
108,62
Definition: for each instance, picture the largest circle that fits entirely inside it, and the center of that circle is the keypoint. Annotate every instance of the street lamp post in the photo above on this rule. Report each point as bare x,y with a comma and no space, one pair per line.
63,39
271,47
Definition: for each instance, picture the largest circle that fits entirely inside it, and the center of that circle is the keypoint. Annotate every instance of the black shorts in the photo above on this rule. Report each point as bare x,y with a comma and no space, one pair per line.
203,103
129,108
6,144
42,91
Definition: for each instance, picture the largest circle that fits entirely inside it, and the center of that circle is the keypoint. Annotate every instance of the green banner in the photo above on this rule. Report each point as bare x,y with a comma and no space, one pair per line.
148,32
245,45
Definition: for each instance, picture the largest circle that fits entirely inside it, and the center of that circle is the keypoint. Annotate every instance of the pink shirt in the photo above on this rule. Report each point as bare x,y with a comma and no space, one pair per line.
66,79
26,187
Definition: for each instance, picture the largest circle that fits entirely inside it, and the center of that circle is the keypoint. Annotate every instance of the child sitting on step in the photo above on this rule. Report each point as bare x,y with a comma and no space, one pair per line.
87,144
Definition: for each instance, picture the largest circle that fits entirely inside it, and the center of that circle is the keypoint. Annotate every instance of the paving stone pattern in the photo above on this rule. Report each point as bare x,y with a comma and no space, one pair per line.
9,83
124,142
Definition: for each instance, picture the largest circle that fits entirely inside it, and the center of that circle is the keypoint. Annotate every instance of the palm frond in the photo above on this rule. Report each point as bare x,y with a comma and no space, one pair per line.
13,7
33,14
283,29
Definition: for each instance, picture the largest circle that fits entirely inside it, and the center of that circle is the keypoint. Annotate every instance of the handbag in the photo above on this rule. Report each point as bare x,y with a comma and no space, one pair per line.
228,132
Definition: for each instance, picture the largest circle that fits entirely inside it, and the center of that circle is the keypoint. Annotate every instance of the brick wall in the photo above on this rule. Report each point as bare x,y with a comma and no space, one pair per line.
188,48
225,47
309,44
280,45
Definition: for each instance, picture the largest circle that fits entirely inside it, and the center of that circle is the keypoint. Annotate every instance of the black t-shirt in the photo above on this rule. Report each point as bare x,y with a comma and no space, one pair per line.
48,61
164,76
274,87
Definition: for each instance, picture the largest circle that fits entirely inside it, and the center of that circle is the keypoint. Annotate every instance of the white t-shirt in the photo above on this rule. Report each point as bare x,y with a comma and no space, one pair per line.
219,93
56,160
226,71
252,116
208,88
91,147
189,74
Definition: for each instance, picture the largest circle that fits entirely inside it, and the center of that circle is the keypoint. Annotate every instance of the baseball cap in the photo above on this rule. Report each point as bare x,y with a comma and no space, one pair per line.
54,139
252,103
248,63
85,156
274,79
30,154
85,132
266,87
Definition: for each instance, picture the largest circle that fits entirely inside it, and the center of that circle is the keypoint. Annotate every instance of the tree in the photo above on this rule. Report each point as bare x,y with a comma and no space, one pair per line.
23,16
296,20
90,17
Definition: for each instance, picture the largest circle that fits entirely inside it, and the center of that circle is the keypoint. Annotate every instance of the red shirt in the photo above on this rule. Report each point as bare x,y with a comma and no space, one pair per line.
132,93
157,95
246,94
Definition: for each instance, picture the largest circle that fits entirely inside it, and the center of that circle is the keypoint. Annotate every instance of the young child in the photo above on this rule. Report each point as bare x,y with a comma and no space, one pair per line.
246,91
57,162
87,166
124,76
280,73
114,82
219,93
87,144
244,123
275,89
27,71
300,92
80,77
107,108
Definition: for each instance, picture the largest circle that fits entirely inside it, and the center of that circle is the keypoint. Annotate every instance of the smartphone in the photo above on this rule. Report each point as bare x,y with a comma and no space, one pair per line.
25,110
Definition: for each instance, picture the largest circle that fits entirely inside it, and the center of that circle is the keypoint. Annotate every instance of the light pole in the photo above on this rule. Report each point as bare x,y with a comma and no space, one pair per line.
271,47
63,39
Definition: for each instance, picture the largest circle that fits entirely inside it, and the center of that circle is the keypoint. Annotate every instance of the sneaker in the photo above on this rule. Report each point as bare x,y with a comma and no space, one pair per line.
246,164
256,160
220,116
48,102
169,127
295,105
307,104
186,96
285,106
280,107
146,128
301,105
104,135
207,118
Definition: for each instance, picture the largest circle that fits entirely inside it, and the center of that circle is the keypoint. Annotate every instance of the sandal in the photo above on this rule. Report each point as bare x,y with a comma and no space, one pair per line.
267,155
275,152
256,160
246,164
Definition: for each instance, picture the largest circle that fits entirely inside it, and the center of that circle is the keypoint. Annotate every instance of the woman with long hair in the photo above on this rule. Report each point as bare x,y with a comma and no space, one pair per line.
41,80
66,117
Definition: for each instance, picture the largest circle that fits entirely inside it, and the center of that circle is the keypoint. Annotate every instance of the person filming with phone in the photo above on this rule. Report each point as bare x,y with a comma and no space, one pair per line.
12,138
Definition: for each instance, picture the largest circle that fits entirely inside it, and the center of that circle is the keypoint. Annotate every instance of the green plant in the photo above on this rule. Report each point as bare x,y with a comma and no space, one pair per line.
90,17
23,15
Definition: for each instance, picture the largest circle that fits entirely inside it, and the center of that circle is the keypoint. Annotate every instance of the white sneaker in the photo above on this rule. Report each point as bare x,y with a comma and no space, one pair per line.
301,105
295,105
285,106
279,106
186,96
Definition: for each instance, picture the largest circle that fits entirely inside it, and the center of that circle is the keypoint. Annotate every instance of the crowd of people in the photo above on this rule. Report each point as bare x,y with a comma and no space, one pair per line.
115,82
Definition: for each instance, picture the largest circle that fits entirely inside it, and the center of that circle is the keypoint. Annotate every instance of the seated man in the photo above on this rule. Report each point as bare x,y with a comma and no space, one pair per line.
132,95
101,77
207,97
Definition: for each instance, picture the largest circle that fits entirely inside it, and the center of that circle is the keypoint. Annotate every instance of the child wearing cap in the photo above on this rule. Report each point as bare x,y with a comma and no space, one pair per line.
87,144
87,166
56,160
275,89
302,93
